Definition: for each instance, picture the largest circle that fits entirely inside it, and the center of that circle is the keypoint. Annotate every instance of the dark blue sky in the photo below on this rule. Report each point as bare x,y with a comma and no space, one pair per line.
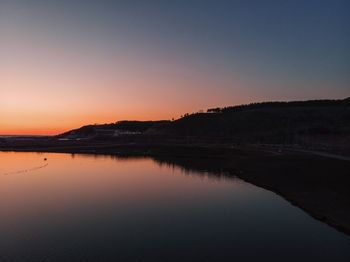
305,41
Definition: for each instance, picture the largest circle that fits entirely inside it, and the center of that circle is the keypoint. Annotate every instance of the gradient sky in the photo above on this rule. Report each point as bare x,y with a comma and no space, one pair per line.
65,63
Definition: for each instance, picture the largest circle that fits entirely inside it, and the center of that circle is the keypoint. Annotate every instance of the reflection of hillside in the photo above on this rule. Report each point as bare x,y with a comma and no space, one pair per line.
200,167
317,185
187,166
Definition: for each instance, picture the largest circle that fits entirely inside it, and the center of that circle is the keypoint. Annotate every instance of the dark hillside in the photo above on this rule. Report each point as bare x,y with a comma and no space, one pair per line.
272,122
94,130
320,123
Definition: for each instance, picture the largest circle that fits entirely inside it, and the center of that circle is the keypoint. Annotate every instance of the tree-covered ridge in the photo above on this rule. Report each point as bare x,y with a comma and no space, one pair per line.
296,122
308,103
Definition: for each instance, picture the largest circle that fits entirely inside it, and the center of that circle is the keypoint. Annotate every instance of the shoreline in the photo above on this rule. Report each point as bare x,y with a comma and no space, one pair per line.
314,183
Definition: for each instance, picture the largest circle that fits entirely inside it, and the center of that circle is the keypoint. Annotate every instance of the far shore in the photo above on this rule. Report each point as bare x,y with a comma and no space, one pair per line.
317,182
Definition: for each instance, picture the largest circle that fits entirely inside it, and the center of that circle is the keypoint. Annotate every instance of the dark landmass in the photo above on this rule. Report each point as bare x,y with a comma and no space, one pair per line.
300,150
318,185
317,124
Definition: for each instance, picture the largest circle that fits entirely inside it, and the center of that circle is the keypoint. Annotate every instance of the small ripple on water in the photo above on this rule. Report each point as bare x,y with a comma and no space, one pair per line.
25,170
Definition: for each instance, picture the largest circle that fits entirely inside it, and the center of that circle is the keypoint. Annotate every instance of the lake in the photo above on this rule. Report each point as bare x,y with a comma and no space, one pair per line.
102,208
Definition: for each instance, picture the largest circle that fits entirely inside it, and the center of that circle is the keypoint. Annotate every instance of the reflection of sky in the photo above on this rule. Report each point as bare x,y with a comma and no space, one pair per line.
81,207
66,64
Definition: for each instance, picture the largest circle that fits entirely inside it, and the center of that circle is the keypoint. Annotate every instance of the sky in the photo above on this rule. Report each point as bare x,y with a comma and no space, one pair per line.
64,64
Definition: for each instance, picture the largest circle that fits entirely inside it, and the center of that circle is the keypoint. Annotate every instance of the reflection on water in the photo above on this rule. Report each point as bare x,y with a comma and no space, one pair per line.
105,208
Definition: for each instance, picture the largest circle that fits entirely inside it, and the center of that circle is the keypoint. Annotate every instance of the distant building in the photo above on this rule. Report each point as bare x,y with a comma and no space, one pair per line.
115,132
104,132
120,132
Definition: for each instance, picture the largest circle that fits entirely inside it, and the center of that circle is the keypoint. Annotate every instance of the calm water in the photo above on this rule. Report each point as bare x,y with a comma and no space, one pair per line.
86,208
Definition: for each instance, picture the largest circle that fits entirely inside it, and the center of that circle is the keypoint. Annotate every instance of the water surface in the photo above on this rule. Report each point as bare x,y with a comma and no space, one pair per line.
101,208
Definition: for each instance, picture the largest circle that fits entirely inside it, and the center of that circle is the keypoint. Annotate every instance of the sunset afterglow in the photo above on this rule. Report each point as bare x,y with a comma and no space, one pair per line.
66,64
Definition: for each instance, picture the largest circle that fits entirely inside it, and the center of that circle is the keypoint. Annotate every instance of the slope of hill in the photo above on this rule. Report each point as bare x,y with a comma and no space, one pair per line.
133,127
276,122
325,122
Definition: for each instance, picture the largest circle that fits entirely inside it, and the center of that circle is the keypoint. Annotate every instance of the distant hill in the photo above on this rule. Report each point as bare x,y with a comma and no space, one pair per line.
122,126
268,122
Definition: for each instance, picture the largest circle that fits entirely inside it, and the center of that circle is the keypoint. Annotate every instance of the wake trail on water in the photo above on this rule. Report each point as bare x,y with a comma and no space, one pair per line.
25,170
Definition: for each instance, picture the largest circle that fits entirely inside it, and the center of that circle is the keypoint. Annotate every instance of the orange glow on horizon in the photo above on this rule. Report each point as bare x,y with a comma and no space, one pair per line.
59,73
55,128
